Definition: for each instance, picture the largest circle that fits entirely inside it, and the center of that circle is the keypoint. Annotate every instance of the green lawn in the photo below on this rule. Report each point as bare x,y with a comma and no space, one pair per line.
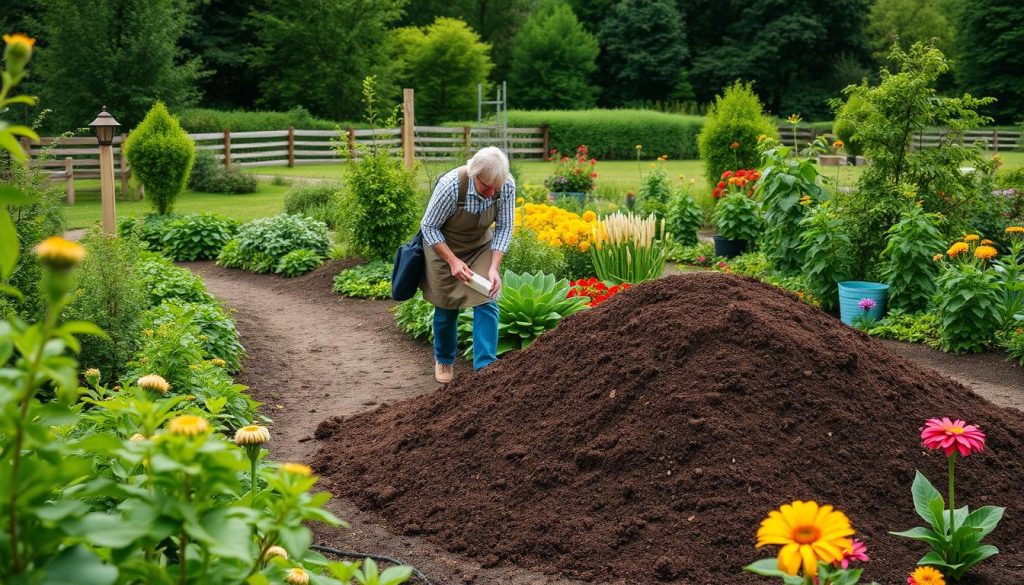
268,200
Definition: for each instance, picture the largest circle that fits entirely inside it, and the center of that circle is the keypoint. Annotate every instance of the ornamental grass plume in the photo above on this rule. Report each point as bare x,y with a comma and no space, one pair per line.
926,576
807,533
952,436
188,425
628,248
154,383
59,254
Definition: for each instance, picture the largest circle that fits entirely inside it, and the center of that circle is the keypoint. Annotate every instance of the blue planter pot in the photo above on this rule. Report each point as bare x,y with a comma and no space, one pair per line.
852,291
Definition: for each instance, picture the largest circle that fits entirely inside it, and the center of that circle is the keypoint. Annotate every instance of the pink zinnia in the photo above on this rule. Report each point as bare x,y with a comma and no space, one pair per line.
952,436
858,552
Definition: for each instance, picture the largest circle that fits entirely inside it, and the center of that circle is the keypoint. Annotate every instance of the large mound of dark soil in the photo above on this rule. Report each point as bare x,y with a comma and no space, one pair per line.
644,441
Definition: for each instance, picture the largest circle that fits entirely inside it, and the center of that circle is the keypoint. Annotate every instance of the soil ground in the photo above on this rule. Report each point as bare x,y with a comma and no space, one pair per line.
312,355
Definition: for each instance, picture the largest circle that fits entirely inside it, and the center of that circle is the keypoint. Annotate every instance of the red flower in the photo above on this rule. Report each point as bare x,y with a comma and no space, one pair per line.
593,175
726,174
593,161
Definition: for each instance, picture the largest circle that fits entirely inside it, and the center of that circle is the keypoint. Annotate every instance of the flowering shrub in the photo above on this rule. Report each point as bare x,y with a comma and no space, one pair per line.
969,297
741,181
954,535
572,174
594,289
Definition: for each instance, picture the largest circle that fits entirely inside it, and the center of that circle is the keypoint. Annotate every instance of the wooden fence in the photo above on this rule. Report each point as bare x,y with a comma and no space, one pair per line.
992,140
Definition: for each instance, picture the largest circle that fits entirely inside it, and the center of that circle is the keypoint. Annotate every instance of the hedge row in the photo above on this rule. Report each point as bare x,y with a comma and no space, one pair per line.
196,120
614,134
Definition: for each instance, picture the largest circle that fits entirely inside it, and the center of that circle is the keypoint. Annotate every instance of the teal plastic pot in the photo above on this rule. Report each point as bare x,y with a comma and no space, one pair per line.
851,292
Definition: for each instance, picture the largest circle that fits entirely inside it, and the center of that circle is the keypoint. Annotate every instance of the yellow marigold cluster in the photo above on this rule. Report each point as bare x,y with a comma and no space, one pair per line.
972,238
1015,229
557,227
957,249
985,252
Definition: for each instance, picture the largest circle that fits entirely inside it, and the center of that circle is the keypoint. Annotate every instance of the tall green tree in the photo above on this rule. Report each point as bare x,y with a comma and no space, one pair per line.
644,51
122,54
316,54
444,62
219,35
991,60
554,58
907,22
798,53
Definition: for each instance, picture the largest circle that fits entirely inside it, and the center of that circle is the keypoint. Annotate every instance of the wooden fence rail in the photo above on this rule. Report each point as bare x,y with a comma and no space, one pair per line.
992,140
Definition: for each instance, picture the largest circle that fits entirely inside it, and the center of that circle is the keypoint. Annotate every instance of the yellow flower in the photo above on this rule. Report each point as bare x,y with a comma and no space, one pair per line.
957,249
18,51
275,551
297,576
808,533
761,138
92,376
154,383
218,362
936,257
556,242
985,253
805,199
252,435
520,200
1015,229
837,144
589,216
188,425
584,246
972,238
137,437
297,469
794,119
926,576
985,242
58,253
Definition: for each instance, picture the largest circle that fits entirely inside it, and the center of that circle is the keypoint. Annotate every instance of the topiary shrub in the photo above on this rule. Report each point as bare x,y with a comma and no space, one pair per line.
320,202
198,236
731,131
161,156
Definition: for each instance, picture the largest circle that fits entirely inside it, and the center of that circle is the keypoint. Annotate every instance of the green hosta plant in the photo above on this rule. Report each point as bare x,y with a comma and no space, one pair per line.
298,262
738,217
788,185
163,280
908,265
275,236
531,304
369,281
628,249
198,236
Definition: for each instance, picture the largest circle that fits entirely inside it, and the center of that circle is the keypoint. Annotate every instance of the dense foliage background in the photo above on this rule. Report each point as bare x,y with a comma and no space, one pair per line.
674,55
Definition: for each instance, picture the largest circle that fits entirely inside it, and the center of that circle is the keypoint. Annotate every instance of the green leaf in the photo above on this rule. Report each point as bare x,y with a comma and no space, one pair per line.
924,492
920,533
78,565
985,518
770,568
106,530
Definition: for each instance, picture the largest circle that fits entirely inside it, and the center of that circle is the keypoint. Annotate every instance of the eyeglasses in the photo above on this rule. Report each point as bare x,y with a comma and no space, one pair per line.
487,190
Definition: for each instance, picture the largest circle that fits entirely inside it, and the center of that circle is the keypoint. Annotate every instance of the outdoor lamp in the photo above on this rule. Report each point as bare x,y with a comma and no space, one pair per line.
106,127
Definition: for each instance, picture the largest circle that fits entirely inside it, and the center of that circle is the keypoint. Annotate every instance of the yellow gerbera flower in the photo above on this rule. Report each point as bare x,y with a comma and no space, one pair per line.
297,469
972,238
252,435
985,252
188,425
58,253
154,383
957,249
926,576
808,533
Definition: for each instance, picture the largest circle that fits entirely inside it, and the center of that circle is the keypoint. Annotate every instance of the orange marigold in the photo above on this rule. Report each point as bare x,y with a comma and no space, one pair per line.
957,249
985,253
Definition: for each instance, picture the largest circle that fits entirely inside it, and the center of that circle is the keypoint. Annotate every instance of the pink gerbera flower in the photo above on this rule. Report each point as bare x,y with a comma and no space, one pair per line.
858,552
952,436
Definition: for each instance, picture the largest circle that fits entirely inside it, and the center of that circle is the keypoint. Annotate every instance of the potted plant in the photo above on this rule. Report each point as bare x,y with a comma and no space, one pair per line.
573,176
737,217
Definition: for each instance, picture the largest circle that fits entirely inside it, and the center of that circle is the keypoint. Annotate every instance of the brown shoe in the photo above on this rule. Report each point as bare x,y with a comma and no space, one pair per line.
443,373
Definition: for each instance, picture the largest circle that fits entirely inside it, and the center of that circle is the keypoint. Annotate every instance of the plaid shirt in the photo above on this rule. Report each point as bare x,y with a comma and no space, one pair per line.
442,207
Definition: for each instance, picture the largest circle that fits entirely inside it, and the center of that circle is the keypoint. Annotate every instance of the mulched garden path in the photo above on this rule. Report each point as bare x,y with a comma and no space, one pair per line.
313,355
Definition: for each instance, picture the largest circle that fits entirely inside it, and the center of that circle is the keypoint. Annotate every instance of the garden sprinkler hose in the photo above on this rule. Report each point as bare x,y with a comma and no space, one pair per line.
378,558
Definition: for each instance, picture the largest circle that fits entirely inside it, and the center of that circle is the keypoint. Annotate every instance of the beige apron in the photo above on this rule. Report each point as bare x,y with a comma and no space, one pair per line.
469,236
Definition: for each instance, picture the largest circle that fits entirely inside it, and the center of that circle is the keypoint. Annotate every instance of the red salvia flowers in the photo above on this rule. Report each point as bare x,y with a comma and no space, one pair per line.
597,291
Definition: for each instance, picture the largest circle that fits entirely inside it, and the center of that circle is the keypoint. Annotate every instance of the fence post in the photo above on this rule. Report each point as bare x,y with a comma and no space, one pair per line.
227,147
291,146
352,143
408,148
995,141
465,138
123,165
27,146
69,171
547,141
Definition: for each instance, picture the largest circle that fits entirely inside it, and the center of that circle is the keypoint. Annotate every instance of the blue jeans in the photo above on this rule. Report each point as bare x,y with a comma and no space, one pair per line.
485,334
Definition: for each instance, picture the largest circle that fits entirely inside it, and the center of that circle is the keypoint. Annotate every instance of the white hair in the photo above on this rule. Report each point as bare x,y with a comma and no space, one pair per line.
490,165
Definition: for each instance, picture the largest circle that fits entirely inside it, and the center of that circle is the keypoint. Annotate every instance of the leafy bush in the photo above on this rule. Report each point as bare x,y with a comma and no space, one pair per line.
847,121
263,242
655,194
110,294
384,210
614,134
685,218
415,317
210,176
149,229
1010,184
217,335
967,302
738,217
527,253
699,254
907,327
787,187
298,262
909,267
33,223
161,156
163,281
369,281
531,304
828,257
231,255
1012,342
197,236
316,201
730,135
197,120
